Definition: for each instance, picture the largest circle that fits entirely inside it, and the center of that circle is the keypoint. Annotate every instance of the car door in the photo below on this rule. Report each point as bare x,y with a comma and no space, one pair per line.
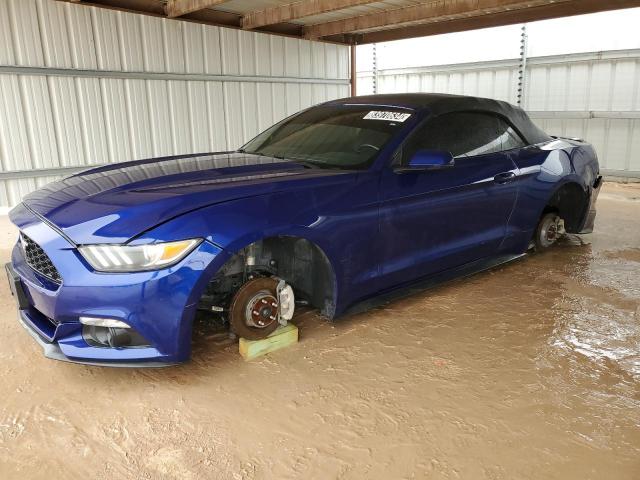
434,220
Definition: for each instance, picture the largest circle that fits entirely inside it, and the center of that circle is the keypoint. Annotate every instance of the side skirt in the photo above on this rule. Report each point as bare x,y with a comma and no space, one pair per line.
423,284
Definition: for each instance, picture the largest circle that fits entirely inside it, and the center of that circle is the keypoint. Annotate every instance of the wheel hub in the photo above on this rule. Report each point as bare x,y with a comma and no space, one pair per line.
551,234
549,231
262,310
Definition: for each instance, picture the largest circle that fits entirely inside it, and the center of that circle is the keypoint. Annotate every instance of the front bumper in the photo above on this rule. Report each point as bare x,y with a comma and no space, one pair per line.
53,351
160,306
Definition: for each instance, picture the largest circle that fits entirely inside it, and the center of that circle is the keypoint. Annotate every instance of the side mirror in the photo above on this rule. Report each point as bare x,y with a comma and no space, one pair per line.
429,160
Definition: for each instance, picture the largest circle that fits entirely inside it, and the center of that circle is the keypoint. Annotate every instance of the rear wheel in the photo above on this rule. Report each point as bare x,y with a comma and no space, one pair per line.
548,231
255,309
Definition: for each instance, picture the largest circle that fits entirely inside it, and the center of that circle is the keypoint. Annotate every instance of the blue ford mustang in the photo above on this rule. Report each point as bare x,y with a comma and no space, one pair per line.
334,206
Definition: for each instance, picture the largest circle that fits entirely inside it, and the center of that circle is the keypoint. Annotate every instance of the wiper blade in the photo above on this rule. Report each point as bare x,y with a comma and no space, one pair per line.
257,152
317,163
302,161
306,164
281,156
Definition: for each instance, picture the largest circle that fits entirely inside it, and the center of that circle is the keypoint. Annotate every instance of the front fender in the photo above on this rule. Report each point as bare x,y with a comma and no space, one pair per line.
340,218
234,225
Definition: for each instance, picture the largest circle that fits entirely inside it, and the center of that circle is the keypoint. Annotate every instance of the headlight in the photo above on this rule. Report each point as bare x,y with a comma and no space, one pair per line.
136,258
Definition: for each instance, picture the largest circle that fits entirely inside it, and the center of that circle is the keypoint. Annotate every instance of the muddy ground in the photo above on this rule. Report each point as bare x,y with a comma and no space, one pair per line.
530,371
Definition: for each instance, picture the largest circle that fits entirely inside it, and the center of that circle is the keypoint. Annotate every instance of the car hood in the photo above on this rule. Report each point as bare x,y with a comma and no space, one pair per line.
115,203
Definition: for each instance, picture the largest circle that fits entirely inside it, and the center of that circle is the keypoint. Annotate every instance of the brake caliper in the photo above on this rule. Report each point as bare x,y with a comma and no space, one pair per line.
287,302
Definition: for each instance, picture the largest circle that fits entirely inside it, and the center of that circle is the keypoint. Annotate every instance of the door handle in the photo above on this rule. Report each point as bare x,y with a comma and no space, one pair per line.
504,177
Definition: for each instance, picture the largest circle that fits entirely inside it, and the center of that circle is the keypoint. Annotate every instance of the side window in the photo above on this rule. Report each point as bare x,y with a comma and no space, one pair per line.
510,138
463,135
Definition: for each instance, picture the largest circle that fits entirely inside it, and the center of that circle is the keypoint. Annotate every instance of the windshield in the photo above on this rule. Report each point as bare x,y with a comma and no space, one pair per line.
348,137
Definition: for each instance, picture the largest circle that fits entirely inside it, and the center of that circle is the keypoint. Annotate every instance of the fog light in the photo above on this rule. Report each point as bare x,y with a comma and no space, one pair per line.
113,337
103,322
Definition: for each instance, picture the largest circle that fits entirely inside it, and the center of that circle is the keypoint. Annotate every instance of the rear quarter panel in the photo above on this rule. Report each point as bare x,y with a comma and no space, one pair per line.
543,170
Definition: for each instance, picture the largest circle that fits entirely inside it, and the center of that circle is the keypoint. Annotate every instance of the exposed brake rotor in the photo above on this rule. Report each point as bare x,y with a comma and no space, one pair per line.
255,310
551,233
551,229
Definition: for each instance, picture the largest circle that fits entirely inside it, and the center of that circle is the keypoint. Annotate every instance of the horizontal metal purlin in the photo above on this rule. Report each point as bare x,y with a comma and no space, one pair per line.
202,77
572,114
572,58
44,172
620,173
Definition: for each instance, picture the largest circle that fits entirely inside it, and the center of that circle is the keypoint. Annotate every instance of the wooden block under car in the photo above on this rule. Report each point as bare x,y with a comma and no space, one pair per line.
280,338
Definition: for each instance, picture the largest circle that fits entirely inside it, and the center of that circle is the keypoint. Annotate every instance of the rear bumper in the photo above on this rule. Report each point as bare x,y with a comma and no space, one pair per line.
590,216
159,306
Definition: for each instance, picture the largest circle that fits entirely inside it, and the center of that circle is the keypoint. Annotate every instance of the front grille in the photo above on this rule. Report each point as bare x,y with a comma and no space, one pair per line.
38,260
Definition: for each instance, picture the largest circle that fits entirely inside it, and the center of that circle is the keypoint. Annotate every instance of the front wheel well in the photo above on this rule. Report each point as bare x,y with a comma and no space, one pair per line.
298,261
570,202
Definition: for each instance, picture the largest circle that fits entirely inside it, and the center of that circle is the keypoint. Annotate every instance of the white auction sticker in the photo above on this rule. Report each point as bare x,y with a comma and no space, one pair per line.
388,116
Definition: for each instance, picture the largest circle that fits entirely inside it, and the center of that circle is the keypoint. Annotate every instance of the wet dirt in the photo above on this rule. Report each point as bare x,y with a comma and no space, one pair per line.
529,371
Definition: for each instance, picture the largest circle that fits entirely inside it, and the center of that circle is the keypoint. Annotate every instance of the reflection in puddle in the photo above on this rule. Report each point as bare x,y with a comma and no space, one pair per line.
602,300
605,333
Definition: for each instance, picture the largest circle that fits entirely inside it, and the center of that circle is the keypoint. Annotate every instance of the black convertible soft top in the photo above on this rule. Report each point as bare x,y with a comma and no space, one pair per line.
439,103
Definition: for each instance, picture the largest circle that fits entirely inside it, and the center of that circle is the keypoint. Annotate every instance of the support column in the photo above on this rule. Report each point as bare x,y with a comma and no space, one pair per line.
353,70
522,67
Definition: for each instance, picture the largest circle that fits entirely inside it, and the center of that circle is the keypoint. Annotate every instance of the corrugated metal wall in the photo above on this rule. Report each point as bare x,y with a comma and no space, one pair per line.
595,96
82,85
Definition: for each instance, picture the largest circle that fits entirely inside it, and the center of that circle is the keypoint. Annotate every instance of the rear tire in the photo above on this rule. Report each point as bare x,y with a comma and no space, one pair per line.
547,232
